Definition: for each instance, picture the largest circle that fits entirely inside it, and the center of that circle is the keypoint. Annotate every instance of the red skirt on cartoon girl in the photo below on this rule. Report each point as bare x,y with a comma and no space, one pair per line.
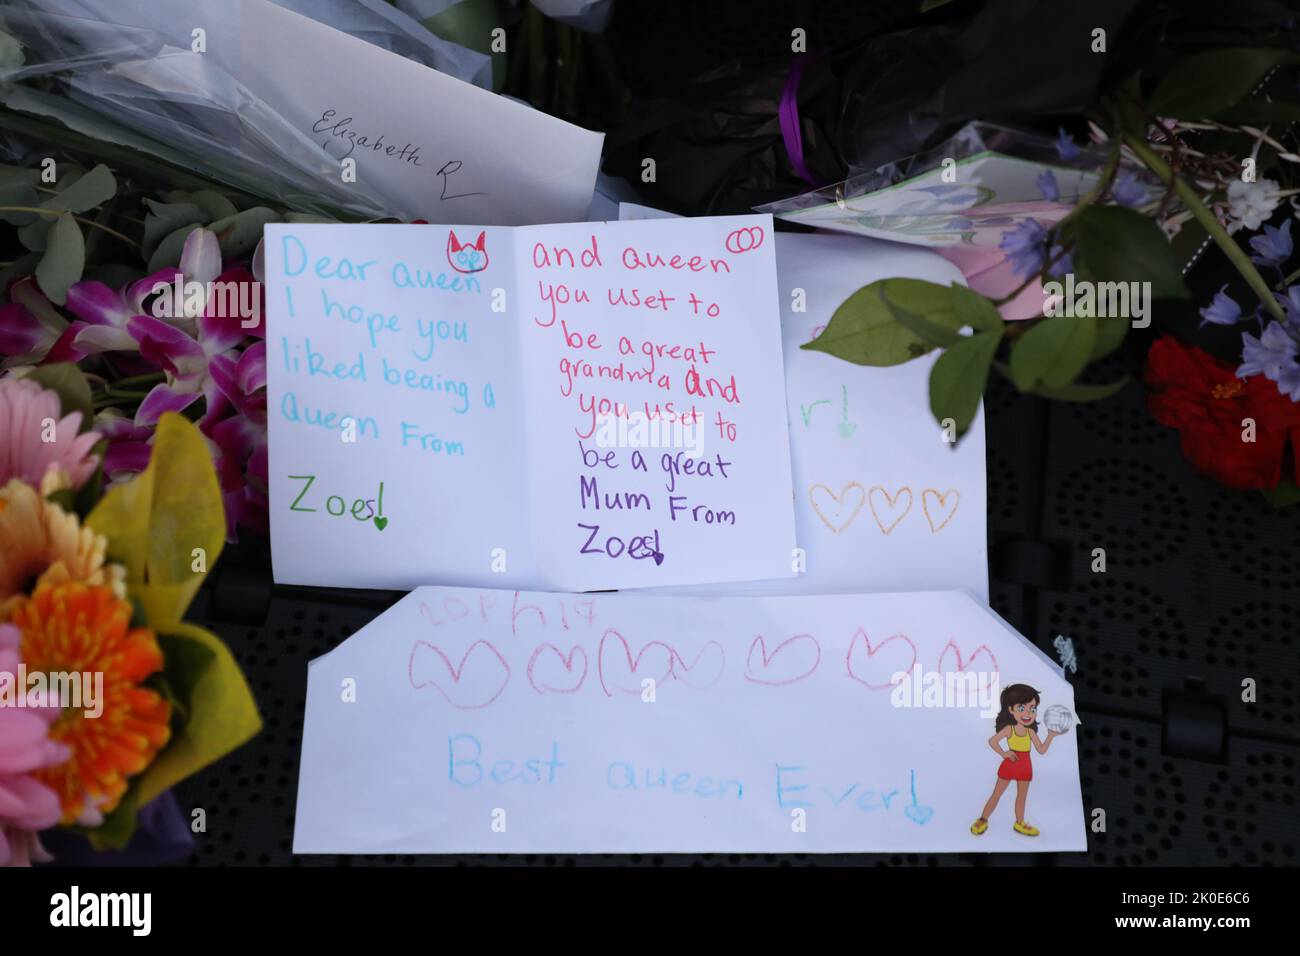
1018,769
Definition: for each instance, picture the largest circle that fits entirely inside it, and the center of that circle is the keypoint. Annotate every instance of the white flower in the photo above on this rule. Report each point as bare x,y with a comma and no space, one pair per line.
1251,204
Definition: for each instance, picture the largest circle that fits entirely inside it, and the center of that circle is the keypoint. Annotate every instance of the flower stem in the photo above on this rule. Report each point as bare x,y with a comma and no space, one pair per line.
45,213
1211,224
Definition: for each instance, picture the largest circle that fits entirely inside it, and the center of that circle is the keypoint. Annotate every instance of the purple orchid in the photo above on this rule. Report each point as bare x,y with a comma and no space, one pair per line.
240,436
32,330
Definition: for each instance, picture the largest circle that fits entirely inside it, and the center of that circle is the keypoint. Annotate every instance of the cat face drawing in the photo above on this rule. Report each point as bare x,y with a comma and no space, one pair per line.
467,257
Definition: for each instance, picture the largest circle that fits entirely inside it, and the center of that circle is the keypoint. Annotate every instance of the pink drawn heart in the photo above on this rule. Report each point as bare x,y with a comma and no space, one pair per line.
465,687
789,661
548,679
861,664
705,671
662,659
952,659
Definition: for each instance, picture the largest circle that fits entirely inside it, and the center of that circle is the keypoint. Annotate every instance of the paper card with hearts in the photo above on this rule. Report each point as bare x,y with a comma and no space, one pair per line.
882,501
473,721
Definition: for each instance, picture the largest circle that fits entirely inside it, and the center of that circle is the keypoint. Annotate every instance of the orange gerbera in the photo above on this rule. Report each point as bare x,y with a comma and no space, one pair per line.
80,629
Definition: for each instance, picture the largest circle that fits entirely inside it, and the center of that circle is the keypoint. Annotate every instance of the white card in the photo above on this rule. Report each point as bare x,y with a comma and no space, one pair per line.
570,407
432,146
882,503
465,721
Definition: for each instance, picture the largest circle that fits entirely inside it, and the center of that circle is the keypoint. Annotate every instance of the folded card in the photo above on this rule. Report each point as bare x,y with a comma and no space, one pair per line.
465,721
574,407
882,501
433,146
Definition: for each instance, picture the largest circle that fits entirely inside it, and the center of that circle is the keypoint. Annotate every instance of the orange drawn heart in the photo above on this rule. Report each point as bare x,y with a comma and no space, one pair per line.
837,511
940,509
891,508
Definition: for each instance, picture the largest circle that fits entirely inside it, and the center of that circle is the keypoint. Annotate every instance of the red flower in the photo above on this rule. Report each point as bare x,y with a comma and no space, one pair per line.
1202,397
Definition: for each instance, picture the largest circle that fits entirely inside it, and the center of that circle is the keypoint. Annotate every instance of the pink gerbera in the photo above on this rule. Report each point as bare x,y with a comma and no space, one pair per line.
34,439
26,805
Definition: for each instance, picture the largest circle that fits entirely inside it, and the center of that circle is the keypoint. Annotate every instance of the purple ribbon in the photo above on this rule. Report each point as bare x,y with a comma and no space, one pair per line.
788,113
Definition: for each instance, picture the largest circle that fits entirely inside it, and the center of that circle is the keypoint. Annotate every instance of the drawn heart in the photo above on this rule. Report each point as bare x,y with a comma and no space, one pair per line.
862,666
837,511
705,671
937,510
381,523
918,813
624,671
792,660
951,659
894,507
477,682
546,678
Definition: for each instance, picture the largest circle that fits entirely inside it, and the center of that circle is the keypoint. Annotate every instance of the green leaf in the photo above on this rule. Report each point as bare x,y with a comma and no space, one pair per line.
1110,335
214,205
975,310
68,382
1053,352
863,330
958,378
923,308
1114,244
1206,84
1260,112
168,252
165,218
64,259
240,233
80,193
1076,392
18,194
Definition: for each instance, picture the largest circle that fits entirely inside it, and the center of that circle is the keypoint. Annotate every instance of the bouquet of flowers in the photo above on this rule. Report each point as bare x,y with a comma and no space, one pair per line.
108,697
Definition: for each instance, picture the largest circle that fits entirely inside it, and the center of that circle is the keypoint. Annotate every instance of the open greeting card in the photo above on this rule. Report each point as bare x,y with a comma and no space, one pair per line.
476,721
882,502
569,407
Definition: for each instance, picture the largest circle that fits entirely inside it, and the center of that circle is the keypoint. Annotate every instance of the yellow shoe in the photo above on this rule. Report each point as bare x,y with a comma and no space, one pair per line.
979,826
1020,826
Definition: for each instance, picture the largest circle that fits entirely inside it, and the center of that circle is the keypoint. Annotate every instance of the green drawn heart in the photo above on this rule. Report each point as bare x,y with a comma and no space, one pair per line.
381,523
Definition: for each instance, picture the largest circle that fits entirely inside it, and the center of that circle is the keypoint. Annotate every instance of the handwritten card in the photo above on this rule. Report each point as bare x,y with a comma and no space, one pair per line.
574,407
464,721
882,502
432,146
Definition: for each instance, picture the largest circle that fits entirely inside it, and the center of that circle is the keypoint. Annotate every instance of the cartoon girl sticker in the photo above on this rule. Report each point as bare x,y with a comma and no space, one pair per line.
1017,724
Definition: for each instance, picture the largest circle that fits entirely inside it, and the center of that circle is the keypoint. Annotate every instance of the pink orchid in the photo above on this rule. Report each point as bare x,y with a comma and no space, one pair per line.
26,805
34,438
128,448
32,330
240,437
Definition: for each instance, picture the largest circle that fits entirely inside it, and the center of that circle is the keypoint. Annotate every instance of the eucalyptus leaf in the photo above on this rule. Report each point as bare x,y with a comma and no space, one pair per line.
68,382
958,378
169,250
1114,244
214,205
1053,352
165,218
1206,84
240,233
22,175
18,194
84,193
64,259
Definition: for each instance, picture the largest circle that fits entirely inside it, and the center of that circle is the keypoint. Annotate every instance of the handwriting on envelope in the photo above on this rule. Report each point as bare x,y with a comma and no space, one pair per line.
578,407
498,721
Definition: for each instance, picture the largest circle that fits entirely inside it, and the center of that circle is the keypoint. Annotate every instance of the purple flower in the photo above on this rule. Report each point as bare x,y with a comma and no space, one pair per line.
1291,306
1046,183
1129,191
1025,247
1065,146
1222,311
1274,247
1288,381
1271,355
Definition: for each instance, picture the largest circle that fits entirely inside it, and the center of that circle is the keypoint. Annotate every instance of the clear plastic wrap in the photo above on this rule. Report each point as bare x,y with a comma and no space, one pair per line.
135,74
